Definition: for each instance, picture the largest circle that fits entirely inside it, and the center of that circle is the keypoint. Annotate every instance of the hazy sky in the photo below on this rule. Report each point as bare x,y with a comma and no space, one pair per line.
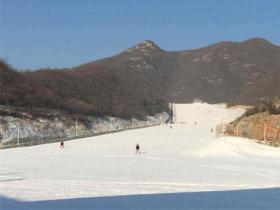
65,33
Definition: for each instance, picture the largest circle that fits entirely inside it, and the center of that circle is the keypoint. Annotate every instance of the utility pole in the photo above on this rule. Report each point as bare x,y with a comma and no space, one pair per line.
18,133
171,113
76,127
174,112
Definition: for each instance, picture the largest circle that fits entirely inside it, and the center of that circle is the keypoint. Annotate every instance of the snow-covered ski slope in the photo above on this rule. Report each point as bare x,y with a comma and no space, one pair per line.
184,167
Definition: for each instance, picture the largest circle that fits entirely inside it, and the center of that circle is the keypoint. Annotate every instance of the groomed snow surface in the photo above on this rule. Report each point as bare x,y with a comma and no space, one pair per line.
184,167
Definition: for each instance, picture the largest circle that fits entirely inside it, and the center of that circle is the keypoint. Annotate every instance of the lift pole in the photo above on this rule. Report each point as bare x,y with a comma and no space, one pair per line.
18,133
76,127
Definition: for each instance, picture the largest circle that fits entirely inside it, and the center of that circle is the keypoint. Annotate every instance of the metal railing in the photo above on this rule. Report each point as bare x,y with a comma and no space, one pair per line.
36,139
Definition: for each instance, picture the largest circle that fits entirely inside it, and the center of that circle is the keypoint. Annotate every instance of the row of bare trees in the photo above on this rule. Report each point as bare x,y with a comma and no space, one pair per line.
96,92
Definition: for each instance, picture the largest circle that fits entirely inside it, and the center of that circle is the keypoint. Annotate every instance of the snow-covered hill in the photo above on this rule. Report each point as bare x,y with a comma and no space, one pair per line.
198,169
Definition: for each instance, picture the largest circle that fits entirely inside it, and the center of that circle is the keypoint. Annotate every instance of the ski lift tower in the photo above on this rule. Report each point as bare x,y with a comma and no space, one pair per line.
174,112
171,113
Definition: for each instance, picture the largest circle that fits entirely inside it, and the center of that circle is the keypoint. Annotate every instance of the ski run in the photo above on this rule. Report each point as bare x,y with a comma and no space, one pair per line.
187,166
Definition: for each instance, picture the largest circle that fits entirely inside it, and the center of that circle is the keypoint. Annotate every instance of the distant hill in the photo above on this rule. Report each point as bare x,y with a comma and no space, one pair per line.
98,92
142,79
231,72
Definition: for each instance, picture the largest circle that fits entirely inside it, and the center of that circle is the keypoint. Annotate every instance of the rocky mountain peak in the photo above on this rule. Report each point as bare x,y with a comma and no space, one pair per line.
146,45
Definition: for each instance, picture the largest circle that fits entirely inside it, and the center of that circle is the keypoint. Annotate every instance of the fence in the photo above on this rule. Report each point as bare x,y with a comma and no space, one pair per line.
75,133
266,131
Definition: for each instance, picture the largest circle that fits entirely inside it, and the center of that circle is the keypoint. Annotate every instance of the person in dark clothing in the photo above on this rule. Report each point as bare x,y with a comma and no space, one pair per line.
137,149
62,144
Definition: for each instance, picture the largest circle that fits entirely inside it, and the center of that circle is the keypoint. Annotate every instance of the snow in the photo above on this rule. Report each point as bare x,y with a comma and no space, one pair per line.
63,126
184,167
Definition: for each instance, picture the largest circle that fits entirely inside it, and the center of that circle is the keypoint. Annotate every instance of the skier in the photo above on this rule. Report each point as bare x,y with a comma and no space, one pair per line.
137,149
62,144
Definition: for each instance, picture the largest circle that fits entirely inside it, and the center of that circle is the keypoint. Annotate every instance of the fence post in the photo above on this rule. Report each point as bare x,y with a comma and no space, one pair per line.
76,127
237,129
18,133
264,132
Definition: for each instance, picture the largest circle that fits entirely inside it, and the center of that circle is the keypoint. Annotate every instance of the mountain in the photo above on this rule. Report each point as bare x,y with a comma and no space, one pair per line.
232,72
142,79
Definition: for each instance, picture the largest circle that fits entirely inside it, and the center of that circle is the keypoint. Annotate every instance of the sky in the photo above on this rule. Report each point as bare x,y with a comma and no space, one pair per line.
65,33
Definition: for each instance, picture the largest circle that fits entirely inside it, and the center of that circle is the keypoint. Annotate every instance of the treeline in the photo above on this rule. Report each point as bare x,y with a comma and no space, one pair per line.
99,92
272,107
